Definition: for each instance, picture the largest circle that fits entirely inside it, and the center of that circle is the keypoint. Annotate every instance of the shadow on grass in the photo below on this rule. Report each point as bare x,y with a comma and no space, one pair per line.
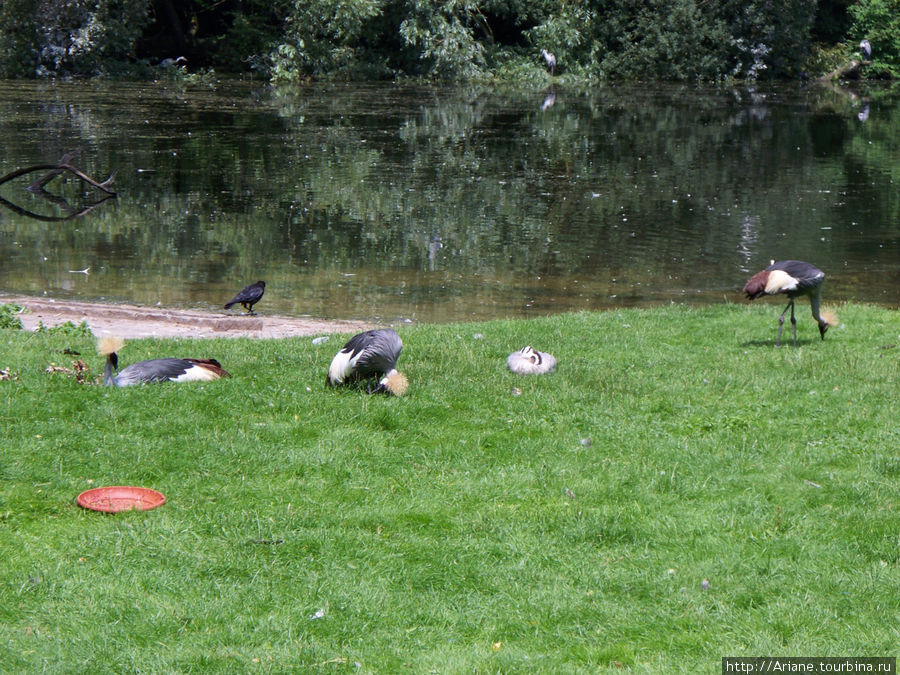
771,343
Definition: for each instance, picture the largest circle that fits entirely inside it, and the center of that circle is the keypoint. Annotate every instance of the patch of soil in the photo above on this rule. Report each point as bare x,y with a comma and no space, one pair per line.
133,321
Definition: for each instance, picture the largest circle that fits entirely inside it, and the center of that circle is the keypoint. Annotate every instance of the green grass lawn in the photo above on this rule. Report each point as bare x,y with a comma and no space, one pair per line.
486,522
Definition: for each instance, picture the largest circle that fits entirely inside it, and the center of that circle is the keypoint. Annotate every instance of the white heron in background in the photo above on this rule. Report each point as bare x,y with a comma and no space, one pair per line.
866,48
549,59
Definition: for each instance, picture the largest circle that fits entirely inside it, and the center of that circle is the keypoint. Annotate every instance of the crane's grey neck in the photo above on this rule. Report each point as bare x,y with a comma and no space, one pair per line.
112,365
815,298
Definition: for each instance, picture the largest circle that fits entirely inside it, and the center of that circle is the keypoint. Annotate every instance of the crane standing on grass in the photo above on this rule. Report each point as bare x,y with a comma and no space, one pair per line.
793,278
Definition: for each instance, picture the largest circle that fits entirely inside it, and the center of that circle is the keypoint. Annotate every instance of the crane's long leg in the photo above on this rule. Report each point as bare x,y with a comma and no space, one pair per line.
793,323
790,306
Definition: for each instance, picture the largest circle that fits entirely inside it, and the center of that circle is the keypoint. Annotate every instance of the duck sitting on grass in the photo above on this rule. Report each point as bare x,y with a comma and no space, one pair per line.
529,361
155,370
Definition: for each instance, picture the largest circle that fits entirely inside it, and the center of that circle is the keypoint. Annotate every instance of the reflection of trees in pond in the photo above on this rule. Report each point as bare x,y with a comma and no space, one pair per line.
310,184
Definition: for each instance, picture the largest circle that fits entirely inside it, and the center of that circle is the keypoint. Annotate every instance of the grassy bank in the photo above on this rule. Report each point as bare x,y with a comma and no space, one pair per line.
467,527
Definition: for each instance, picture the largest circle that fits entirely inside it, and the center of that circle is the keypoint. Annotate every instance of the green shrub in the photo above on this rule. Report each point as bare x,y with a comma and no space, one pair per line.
68,329
9,319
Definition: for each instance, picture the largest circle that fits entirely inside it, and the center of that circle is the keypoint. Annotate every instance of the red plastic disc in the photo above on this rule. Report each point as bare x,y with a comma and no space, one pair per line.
121,498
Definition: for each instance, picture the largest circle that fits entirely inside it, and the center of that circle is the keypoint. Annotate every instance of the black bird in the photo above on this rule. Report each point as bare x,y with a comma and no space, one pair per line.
248,296
155,370
370,354
793,278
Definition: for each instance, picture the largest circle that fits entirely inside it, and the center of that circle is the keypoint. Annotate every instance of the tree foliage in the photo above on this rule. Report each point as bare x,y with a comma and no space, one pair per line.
878,21
18,39
324,38
683,40
77,37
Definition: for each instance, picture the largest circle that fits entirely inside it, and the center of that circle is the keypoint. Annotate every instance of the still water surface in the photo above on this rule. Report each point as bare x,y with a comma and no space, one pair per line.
437,204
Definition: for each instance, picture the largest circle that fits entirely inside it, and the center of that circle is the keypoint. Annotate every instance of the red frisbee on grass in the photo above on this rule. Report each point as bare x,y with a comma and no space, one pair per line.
120,498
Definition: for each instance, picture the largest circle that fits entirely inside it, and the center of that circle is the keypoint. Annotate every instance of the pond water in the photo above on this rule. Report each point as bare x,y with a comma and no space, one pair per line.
386,203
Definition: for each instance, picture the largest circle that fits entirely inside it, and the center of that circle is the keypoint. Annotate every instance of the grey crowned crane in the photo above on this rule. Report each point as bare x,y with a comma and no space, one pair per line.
792,278
248,296
155,370
528,361
369,355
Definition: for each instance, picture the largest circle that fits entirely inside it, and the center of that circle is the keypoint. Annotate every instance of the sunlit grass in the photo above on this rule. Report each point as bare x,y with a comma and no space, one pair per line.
484,522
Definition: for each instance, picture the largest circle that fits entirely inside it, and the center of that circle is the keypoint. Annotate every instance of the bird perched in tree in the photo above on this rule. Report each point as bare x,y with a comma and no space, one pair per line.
866,48
248,296
549,59
155,370
793,278
528,361
367,355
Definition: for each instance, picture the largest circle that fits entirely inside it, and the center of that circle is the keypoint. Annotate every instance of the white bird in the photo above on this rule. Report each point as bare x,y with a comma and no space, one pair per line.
528,361
370,354
866,48
171,63
155,370
549,59
863,113
793,278
549,101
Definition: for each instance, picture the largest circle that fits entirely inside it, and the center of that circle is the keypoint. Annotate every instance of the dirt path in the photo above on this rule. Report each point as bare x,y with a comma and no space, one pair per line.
132,321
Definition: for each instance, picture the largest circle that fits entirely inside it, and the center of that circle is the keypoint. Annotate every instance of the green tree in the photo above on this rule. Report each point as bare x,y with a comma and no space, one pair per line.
324,38
88,37
445,36
878,21
680,40
18,39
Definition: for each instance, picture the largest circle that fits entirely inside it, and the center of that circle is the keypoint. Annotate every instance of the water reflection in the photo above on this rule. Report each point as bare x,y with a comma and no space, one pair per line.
61,206
437,204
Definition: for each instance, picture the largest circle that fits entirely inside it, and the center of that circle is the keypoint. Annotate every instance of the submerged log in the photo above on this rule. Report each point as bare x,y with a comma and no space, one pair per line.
66,159
55,170
52,170
849,69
